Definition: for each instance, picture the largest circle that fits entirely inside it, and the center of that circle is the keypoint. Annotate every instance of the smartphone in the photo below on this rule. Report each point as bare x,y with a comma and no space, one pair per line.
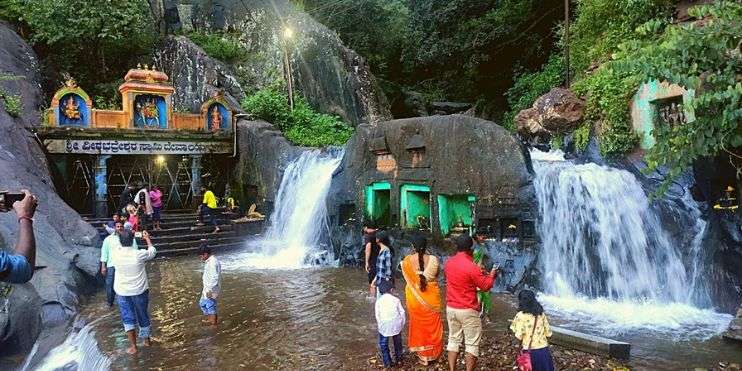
8,198
138,234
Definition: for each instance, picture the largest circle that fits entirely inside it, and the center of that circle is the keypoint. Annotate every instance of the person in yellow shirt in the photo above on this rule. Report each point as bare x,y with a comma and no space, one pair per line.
531,327
208,208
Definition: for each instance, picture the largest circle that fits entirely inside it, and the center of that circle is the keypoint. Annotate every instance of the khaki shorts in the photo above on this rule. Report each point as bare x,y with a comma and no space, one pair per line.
464,325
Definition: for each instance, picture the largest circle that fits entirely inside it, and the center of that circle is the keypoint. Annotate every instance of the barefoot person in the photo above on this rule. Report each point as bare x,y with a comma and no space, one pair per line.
531,327
131,286
423,298
463,278
211,281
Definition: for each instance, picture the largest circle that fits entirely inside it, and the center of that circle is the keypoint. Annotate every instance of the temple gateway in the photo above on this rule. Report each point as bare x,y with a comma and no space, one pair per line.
97,152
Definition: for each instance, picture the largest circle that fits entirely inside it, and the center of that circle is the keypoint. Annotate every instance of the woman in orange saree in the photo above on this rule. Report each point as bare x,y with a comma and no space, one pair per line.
423,297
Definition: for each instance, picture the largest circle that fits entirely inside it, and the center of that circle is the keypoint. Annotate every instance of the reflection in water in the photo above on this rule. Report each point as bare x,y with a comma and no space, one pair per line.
314,318
272,319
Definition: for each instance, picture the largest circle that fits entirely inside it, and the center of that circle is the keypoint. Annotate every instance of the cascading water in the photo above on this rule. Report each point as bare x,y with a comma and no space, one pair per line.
299,220
607,256
79,351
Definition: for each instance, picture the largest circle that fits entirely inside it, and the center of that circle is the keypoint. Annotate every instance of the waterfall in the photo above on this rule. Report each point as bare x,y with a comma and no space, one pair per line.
298,223
79,351
606,255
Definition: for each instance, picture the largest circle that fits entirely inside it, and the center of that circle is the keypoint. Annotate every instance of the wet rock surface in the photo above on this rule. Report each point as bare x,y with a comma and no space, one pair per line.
196,77
735,327
462,155
333,78
263,155
558,111
65,243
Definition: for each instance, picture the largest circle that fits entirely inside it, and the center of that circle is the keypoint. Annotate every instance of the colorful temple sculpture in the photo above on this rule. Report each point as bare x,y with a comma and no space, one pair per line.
102,151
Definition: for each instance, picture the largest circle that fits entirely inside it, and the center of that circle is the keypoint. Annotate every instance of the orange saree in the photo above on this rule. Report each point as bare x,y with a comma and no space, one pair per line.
424,309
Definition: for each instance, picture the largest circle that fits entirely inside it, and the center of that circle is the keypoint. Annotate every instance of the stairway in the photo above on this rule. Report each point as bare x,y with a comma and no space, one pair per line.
180,234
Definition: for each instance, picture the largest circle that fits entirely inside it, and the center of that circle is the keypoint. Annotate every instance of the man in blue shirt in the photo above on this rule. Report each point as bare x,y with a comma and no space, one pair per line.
18,267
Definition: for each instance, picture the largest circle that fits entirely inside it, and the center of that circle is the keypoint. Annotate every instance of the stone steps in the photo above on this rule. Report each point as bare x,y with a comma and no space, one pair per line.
180,234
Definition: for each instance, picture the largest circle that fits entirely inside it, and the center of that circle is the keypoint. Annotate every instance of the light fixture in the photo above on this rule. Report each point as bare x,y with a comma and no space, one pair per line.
288,33
160,160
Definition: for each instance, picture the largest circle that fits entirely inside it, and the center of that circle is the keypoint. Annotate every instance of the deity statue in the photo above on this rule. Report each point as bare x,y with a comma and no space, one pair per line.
148,112
71,109
215,122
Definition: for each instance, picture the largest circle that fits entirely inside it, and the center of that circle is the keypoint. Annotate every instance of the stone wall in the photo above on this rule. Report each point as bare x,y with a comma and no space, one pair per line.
65,243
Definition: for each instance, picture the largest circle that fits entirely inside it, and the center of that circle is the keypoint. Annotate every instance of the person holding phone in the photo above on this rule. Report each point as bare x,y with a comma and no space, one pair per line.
463,278
18,267
132,287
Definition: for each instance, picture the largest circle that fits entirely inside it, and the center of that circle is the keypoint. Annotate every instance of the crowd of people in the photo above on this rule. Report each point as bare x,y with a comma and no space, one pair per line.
467,287
123,262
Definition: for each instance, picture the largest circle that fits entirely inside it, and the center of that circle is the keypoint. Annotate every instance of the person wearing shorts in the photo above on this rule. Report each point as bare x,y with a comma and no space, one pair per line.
463,278
211,282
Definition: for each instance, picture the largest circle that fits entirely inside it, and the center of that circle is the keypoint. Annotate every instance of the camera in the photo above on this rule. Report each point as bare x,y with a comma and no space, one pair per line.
138,234
8,198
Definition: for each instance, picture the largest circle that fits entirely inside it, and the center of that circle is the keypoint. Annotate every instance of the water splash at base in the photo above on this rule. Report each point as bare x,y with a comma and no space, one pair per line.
79,351
298,228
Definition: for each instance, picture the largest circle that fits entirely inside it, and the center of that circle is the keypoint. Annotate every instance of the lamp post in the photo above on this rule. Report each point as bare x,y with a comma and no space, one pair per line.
288,34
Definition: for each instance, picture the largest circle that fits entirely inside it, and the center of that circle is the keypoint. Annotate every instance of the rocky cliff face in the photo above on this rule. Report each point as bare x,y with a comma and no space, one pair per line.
333,78
65,243
263,156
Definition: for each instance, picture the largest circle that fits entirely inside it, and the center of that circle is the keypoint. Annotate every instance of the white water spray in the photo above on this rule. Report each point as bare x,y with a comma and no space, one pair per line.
606,256
79,351
299,220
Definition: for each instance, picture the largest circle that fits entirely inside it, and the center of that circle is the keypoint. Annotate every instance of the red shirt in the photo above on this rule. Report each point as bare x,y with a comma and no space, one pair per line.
463,278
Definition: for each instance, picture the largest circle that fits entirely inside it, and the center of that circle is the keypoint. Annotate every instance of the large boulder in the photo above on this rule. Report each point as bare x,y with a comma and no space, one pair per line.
452,155
558,111
66,252
333,78
734,332
196,76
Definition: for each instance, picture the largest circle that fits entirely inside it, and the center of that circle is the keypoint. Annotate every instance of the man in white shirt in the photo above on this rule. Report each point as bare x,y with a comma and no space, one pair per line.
211,281
132,287
390,318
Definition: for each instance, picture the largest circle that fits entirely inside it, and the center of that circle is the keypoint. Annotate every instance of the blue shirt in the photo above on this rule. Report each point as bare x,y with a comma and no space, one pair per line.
17,268
384,266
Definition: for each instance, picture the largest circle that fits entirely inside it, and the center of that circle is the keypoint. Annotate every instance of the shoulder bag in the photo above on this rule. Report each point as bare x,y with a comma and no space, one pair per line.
524,357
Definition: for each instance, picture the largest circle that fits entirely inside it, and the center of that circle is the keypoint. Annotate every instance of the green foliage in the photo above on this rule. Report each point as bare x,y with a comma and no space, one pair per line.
704,56
600,26
472,46
222,46
608,95
12,103
94,41
302,126
376,29
529,86
581,137
557,141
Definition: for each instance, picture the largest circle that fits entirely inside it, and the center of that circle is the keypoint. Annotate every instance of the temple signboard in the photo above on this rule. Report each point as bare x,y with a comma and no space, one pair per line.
135,147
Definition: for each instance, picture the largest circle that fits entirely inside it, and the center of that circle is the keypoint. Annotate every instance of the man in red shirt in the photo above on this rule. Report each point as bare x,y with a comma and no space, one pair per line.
463,278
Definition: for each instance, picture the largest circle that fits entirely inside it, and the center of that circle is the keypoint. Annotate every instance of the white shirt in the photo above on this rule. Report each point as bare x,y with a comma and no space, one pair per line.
212,277
131,275
390,316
